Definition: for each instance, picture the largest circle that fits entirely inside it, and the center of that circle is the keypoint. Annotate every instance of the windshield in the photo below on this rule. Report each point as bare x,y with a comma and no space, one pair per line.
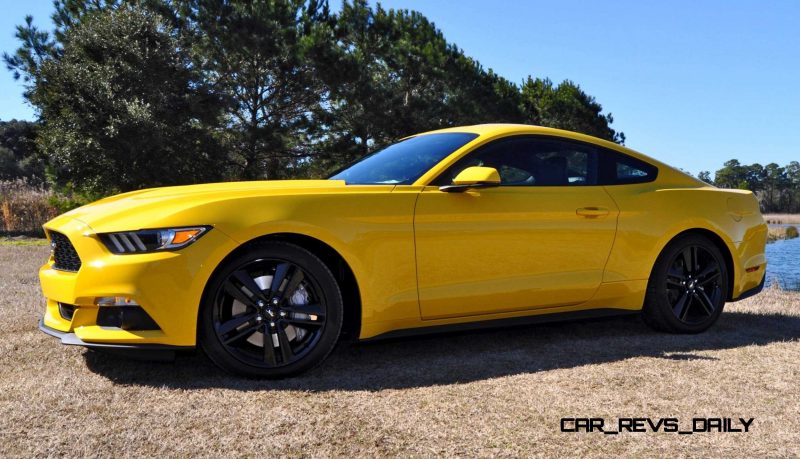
404,162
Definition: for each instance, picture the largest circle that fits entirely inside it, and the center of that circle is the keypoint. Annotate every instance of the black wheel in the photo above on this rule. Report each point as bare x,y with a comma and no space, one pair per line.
687,288
273,311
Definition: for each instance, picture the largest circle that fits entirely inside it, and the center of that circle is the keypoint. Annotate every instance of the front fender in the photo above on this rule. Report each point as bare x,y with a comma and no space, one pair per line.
371,231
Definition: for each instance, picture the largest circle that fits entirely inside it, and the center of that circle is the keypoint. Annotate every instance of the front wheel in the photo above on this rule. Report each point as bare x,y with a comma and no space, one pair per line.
687,288
273,311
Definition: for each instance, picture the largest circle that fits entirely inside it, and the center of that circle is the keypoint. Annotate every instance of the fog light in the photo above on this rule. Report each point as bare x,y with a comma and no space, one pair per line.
115,301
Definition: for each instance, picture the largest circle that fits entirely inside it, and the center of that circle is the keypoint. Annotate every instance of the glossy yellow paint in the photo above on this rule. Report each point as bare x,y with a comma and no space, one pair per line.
421,257
475,175
510,248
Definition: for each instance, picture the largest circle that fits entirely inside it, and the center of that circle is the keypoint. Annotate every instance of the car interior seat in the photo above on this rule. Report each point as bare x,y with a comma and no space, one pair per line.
552,171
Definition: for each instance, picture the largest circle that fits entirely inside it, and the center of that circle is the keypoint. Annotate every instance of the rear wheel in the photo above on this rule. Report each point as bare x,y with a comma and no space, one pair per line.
273,311
687,288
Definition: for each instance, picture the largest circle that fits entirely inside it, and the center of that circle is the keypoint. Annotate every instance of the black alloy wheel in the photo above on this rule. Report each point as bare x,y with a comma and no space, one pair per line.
693,285
688,286
273,311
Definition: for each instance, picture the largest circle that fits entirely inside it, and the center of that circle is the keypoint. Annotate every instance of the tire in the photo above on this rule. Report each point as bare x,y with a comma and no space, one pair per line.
688,286
272,311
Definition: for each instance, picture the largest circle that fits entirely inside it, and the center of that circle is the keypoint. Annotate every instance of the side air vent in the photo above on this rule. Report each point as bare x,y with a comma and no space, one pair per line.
66,310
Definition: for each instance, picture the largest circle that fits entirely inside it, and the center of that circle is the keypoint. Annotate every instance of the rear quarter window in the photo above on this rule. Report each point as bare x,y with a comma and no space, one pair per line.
621,169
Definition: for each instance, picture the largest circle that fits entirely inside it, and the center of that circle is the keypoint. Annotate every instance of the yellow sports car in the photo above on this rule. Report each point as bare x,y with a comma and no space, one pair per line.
461,227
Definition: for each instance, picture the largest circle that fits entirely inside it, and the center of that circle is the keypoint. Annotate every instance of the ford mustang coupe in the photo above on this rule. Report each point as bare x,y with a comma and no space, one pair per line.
460,227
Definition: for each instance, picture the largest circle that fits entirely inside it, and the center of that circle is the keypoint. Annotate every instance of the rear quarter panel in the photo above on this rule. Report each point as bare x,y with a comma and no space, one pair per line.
651,215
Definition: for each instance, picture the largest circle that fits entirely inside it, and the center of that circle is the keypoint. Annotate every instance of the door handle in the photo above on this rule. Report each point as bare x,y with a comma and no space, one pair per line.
592,212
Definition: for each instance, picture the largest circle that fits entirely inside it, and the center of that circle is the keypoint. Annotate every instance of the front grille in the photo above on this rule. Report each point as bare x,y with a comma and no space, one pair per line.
64,254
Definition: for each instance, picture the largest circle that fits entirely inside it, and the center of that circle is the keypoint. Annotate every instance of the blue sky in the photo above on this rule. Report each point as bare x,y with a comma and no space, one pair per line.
693,83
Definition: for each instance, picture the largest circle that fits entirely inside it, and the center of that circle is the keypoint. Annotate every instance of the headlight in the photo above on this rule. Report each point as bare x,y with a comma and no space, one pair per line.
152,240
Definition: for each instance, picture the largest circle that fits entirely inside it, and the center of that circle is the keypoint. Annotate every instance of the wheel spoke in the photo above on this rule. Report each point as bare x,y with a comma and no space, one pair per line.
294,282
674,283
687,260
238,294
269,349
311,309
305,322
710,273
707,270
295,278
277,279
285,347
675,275
681,307
710,279
235,322
243,333
247,281
705,302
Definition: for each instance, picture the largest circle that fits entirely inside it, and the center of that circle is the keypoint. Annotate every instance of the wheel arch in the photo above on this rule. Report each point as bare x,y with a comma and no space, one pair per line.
351,296
719,242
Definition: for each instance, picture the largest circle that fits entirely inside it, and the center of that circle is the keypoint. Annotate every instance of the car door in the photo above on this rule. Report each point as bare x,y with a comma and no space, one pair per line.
540,239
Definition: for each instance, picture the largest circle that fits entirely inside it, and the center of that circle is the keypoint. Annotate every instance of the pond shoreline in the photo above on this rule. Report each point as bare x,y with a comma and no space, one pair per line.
783,267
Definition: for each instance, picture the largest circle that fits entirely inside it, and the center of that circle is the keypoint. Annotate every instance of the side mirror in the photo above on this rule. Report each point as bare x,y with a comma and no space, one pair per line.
473,177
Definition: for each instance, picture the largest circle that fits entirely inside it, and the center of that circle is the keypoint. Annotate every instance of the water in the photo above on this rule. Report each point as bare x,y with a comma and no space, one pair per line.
783,263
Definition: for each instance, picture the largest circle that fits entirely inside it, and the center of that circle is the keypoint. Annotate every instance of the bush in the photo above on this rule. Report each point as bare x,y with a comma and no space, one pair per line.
24,208
791,232
66,198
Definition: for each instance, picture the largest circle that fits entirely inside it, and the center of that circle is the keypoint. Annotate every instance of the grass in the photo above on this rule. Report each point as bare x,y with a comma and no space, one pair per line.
491,393
25,207
782,219
22,241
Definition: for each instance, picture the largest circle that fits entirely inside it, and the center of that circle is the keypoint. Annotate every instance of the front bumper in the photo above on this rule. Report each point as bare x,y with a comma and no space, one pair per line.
167,285
72,339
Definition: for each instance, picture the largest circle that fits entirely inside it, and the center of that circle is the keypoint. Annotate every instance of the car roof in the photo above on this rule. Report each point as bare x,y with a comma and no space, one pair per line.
488,132
503,129
493,130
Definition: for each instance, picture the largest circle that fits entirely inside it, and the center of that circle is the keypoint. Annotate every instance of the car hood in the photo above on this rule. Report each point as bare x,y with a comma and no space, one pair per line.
150,208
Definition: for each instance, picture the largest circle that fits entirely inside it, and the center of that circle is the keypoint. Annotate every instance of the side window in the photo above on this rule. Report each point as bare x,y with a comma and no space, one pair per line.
619,169
531,161
628,172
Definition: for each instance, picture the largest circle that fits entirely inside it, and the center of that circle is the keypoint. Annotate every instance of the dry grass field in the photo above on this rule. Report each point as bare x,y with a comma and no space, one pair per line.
491,393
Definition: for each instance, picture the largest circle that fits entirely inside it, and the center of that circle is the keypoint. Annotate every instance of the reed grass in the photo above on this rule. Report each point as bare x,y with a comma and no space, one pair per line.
24,208
782,219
